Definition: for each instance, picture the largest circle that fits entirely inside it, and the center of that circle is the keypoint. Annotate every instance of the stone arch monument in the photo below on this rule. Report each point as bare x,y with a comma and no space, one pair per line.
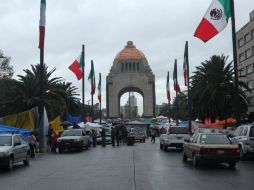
130,72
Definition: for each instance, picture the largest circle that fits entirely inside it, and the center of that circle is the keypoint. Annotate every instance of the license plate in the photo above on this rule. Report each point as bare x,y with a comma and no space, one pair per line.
220,152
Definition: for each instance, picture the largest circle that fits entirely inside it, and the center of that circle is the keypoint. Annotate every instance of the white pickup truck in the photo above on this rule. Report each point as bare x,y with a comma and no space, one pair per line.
174,138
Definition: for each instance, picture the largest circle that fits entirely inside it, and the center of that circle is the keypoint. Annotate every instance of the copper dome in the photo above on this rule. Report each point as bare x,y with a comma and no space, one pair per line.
130,52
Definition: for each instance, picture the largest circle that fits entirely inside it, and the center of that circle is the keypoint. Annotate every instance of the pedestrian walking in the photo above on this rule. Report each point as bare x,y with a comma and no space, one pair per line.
94,137
50,133
32,144
153,134
117,135
103,136
113,135
54,137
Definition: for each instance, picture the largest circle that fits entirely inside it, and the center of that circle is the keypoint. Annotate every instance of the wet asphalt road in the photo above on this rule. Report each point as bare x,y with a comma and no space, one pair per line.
140,167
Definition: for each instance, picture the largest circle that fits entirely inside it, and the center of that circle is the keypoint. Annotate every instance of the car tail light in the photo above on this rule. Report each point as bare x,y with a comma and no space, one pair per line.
238,151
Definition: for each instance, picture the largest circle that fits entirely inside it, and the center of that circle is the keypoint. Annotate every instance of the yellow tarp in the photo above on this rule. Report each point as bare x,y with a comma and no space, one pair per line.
56,125
24,120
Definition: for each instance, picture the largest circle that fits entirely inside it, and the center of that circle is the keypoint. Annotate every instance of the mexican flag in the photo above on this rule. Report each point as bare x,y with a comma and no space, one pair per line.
186,65
77,65
99,89
214,21
176,85
42,24
91,78
168,89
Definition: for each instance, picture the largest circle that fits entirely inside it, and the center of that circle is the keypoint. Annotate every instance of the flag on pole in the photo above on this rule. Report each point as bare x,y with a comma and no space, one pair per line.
42,24
91,77
76,66
176,85
168,89
99,88
214,21
186,65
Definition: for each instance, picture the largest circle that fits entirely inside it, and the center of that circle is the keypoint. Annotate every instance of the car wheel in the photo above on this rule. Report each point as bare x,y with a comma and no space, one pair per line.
144,140
165,148
27,160
232,165
9,166
242,154
184,157
60,150
195,161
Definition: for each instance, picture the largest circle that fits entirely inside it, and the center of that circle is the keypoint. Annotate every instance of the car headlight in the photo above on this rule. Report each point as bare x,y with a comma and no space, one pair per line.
77,140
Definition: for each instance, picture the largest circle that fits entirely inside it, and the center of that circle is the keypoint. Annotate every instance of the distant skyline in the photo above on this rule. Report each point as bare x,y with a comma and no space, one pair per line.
158,29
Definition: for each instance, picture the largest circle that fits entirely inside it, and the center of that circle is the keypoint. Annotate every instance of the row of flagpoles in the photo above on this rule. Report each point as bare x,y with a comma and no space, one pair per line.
78,68
214,21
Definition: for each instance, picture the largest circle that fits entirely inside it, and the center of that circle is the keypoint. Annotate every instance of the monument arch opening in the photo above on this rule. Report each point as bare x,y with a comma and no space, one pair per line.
130,72
131,105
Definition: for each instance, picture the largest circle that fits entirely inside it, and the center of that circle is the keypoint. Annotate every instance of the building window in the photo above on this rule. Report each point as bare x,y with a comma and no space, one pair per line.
252,50
138,67
241,42
242,57
248,53
134,66
126,67
242,72
252,33
247,37
130,67
122,67
250,84
249,69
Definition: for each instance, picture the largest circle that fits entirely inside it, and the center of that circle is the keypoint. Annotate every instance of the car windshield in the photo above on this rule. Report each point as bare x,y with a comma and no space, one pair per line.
5,141
178,130
136,130
252,131
214,139
75,133
205,130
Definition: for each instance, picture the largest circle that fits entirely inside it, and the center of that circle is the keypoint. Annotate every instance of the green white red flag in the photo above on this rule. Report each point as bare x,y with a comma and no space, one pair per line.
99,88
77,65
176,85
91,78
214,21
42,24
186,65
168,88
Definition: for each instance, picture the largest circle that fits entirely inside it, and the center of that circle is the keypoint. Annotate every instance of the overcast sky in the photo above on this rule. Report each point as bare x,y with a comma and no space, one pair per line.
158,28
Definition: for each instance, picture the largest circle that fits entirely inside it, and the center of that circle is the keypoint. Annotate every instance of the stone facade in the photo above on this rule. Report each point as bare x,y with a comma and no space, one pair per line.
130,72
245,60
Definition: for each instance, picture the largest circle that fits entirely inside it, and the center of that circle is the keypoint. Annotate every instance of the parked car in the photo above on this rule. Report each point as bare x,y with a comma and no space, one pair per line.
138,133
13,149
244,137
174,138
204,130
211,147
73,139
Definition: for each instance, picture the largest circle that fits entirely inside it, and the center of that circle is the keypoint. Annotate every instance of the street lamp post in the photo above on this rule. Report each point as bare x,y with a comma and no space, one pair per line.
89,112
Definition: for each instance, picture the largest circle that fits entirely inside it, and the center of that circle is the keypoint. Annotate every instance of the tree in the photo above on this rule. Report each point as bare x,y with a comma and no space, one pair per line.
212,89
58,96
6,70
182,107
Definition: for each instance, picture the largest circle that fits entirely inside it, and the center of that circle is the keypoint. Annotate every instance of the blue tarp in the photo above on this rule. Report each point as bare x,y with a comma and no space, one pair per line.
6,129
74,119
183,123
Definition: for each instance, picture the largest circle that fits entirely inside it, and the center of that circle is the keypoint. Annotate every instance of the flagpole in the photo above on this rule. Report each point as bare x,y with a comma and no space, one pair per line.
100,95
188,85
83,83
168,98
236,90
92,84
